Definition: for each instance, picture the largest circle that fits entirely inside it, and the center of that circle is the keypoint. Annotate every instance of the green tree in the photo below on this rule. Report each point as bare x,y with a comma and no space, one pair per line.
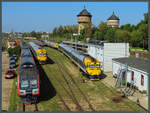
121,36
16,50
103,27
136,38
110,34
126,27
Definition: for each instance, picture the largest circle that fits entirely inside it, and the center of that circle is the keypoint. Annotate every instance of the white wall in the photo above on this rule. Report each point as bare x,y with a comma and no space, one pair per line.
114,50
105,53
137,75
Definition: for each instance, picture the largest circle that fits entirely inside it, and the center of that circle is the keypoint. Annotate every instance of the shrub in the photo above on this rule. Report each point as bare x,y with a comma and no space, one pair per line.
136,87
144,92
16,50
128,84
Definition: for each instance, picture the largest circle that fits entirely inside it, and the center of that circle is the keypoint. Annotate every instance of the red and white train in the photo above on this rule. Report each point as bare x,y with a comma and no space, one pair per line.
28,77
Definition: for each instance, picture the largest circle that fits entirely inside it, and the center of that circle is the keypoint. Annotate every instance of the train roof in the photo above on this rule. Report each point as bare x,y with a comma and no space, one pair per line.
34,46
80,44
25,52
73,51
27,61
30,73
49,42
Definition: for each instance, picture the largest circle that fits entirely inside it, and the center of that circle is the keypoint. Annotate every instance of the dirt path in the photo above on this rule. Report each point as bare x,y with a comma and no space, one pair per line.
6,83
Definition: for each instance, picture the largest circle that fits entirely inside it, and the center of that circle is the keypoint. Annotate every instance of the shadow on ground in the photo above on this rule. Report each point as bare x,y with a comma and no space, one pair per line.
49,61
102,76
47,90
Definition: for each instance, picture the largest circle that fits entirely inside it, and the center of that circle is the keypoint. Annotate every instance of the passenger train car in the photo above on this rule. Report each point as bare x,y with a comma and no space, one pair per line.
89,65
78,46
52,44
28,77
39,53
39,42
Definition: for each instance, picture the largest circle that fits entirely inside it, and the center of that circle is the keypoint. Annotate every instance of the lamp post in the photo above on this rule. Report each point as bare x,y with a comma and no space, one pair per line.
75,35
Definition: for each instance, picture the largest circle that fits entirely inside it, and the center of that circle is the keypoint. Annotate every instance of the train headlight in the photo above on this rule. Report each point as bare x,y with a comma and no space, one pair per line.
35,91
22,92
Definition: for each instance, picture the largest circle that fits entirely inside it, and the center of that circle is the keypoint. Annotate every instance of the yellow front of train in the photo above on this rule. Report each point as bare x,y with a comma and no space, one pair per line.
41,55
93,68
56,45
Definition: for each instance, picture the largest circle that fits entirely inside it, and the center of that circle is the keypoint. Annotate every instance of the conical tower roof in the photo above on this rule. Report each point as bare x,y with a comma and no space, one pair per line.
113,17
84,12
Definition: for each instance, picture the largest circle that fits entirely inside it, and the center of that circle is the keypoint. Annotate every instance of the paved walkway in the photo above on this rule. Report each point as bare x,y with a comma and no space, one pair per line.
6,83
109,80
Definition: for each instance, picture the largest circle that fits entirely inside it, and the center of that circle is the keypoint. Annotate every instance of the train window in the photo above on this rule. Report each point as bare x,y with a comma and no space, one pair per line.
91,66
97,66
33,83
24,84
39,54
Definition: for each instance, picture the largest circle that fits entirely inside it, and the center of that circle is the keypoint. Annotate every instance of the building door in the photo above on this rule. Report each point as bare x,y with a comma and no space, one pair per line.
123,78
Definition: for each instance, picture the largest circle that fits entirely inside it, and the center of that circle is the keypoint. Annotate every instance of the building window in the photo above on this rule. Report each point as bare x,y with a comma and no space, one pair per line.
142,80
132,76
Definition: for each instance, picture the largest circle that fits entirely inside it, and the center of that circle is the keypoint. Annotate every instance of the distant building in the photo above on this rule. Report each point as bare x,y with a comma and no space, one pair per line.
113,21
84,18
45,36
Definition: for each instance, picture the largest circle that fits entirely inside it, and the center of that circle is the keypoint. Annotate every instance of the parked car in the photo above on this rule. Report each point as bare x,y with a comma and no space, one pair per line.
15,56
12,58
12,64
10,73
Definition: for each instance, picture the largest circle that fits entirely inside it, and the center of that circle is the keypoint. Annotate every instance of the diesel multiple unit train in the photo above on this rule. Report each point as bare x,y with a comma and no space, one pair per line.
89,65
38,52
28,77
52,44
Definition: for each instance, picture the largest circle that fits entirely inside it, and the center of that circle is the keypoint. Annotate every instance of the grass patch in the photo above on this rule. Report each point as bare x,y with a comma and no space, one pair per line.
14,99
136,48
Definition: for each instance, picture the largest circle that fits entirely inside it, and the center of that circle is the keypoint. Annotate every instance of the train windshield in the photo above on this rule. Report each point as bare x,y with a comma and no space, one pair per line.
97,66
41,54
91,66
33,83
24,84
27,65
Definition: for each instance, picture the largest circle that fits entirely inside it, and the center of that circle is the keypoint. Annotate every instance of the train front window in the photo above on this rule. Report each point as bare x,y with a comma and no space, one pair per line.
91,66
97,66
33,83
44,54
24,84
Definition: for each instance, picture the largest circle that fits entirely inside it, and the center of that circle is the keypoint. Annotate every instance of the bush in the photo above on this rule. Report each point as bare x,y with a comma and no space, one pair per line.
144,92
128,84
16,50
136,87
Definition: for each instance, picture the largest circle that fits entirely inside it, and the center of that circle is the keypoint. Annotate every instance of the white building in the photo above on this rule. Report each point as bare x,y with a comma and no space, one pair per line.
107,51
137,71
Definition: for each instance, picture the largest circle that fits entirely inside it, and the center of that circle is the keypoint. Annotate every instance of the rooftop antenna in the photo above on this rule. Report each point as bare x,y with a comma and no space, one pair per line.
84,3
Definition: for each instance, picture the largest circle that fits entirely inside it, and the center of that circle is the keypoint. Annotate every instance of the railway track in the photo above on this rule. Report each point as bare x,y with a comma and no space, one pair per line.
32,107
68,91
84,96
71,94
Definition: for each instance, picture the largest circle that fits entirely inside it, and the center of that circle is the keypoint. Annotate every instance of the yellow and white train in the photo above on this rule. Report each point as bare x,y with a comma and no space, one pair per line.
52,44
39,53
88,64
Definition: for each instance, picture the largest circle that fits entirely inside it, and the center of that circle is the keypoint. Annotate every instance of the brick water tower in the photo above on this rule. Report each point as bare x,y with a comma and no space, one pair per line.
113,21
84,18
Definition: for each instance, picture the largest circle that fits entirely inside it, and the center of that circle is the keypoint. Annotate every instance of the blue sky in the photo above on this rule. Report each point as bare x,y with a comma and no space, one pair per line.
44,16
